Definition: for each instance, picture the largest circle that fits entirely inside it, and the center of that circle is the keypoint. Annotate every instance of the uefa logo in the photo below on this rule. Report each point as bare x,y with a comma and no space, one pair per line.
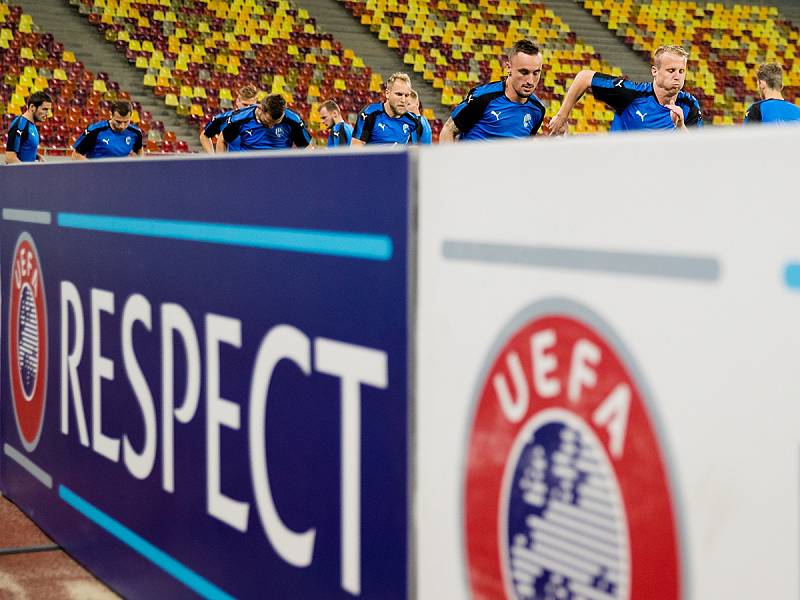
27,341
566,488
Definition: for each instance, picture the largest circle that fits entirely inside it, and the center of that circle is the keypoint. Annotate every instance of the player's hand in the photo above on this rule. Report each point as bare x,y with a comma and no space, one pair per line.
677,115
558,125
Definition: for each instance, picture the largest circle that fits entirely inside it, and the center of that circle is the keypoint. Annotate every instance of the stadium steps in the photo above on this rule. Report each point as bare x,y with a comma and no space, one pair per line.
332,17
77,34
591,31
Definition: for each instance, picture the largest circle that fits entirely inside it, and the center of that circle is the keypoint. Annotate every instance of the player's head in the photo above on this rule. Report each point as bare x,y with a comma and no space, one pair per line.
398,91
769,78
329,113
121,113
273,107
247,96
39,105
669,68
523,69
414,104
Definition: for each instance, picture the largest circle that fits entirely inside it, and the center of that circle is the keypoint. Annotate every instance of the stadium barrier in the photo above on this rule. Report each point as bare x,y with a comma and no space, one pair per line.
504,370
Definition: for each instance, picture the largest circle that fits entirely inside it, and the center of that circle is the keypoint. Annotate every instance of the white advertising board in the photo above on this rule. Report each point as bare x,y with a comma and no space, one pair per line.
608,368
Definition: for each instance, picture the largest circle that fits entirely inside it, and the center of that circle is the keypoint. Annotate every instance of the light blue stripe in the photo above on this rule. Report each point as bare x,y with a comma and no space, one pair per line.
793,275
161,559
332,243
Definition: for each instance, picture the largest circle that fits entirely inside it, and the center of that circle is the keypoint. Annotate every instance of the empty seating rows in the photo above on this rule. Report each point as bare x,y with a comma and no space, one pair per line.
457,44
196,54
32,61
726,45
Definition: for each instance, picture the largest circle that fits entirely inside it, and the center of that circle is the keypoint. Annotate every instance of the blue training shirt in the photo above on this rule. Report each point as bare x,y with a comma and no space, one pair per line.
100,141
427,133
637,107
487,113
340,135
772,111
23,139
244,132
375,126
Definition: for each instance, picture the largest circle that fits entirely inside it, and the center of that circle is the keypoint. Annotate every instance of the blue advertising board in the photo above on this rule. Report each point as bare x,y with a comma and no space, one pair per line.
205,371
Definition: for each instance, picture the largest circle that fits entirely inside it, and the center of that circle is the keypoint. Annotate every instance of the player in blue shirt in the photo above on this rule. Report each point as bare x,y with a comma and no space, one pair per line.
389,122
772,108
415,107
23,135
114,138
246,97
339,131
505,108
268,125
657,105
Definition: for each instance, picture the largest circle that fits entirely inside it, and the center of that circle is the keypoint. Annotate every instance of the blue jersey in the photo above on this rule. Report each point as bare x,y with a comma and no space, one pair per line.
637,107
340,135
100,141
23,139
244,131
427,133
375,126
487,113
772,111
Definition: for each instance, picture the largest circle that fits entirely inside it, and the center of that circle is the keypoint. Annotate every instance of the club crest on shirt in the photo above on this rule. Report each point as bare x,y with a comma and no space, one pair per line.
566,489
527,121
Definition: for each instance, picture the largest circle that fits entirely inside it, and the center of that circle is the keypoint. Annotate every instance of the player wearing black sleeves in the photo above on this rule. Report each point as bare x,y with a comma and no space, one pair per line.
772,108
657,105
23,135
505,108
247,97
265,126
389,122
113,138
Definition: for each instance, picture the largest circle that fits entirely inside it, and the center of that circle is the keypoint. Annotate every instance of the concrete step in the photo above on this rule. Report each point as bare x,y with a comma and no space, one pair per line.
79,36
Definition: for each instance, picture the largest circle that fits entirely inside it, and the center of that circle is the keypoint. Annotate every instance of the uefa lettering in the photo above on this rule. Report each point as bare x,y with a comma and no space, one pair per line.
27,341
566,488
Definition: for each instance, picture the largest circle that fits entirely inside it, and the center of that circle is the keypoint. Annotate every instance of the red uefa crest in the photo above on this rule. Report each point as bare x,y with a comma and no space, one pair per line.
27,341
566,489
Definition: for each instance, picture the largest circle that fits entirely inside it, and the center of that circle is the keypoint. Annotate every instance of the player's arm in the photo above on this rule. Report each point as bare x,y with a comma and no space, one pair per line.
300,136
582,82
229,132
85,143
222,145
14,144
208,148
138,145
753,114
363,129
449,132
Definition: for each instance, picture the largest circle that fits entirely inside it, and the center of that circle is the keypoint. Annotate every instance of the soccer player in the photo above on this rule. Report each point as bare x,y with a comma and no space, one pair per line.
247,97
23,136
113,138
389,122
268,125
657,105
415,107
772,108
505,108
339,131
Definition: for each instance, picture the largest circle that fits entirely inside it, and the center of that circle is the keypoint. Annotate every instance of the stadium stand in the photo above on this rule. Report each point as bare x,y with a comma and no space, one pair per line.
457,44
33,61
196,54
726,43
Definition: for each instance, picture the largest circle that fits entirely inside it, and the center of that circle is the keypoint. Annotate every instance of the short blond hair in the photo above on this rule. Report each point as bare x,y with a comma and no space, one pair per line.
248,92
397,77
661,50
772,75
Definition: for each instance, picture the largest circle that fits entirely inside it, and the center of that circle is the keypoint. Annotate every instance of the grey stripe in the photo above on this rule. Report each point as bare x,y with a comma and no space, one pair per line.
41,217
696,268
27,464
